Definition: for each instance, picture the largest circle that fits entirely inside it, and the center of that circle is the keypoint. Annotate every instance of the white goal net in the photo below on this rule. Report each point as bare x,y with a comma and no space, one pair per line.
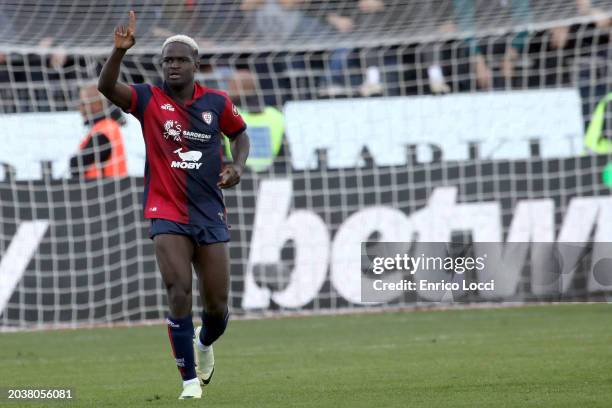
402,120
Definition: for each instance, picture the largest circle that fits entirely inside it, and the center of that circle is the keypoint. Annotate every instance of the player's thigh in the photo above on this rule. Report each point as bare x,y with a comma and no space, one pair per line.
174,253
213,267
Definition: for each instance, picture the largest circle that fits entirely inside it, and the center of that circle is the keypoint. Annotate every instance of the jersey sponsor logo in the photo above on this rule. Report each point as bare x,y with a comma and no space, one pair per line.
172,129
198,137
189,159
207,117
168,107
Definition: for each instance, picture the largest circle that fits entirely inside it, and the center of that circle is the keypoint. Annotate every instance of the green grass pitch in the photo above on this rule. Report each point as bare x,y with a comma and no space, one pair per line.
538,356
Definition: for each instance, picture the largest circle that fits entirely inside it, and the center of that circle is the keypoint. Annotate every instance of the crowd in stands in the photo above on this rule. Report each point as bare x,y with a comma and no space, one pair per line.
575,54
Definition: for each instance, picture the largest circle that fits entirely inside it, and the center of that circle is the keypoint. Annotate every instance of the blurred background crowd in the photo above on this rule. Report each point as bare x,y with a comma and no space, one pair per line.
299,49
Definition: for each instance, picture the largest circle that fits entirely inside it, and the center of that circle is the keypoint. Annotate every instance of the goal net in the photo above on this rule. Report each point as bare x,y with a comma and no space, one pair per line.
458,121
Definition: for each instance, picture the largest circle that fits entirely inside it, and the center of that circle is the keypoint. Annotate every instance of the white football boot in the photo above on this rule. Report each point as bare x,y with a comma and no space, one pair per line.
204,359
191,390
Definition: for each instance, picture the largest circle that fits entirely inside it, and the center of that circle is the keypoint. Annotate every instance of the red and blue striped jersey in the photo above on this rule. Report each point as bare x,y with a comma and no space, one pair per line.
183,152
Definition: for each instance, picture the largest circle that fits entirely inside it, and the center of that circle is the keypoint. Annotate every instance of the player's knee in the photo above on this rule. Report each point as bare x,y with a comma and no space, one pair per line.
216,304
179,299
217,310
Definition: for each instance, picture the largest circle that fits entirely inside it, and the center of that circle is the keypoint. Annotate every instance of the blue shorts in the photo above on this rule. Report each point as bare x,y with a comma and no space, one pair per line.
200,234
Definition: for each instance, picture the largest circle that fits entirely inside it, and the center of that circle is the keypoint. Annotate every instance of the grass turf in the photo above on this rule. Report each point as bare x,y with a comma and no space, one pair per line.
539,356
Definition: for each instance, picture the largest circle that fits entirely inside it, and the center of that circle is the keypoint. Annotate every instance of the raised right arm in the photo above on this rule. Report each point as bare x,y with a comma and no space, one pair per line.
117,92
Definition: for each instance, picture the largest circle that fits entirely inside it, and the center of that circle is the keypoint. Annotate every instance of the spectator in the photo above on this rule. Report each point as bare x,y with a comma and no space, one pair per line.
465,22
206,20
578,48
594,139
361,15
600,17
593,62
101,153
7,104
277,21
265,123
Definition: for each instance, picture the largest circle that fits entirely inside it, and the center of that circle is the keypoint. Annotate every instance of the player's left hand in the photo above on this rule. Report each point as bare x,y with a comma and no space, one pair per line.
229,176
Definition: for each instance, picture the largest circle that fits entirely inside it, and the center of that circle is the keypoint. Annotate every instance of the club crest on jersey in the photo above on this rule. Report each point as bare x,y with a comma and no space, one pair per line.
235,110
168,107
189,159
172,129
207,117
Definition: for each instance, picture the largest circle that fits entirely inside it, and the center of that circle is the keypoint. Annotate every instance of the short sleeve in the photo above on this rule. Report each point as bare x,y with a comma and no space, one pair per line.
231,123
141,93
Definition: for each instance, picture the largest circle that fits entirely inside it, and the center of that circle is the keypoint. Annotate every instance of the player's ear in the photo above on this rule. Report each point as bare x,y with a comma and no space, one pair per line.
196,62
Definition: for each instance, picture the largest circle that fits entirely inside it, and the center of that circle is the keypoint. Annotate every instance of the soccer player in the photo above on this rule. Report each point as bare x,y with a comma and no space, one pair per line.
182,124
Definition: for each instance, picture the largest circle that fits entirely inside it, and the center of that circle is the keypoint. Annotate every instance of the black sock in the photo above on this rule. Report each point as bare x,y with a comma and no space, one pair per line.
180,332
212,327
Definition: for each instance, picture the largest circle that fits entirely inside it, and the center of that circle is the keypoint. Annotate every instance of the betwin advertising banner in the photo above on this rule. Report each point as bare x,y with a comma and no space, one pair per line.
465,231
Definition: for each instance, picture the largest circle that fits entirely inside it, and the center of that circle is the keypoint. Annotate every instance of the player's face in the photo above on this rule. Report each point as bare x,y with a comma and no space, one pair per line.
178,64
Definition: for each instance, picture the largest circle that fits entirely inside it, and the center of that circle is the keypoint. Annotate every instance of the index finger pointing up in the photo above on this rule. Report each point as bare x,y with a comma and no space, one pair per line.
132,21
